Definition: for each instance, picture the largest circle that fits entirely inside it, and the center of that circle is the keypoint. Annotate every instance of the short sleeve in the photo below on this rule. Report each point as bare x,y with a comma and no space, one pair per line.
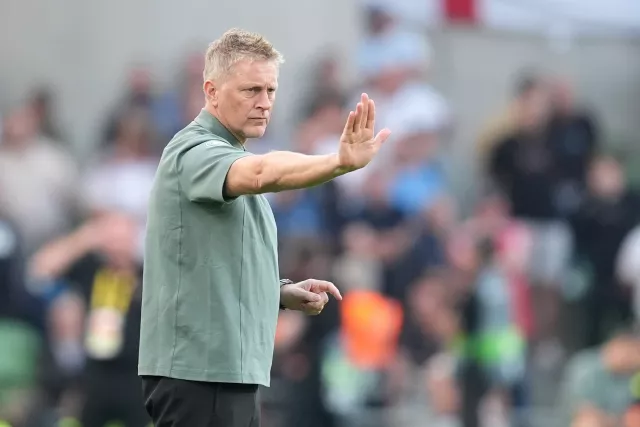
204,170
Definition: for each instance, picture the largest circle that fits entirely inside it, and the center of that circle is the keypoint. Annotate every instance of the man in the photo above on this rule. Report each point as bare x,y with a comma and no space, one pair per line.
211,289
574,138
600,382
609,212
94,318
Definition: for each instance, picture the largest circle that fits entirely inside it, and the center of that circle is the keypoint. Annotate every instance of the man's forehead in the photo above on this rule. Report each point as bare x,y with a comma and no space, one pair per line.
256,71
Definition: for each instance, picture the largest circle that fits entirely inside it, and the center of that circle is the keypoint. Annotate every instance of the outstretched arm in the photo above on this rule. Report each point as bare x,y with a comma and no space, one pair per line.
280,170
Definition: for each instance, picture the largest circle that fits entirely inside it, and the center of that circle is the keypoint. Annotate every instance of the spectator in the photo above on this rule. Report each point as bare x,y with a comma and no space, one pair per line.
500,339
388,234
525,168
99,317
325,84
314,213
322,126
419,178
189,92
173,108
377,210
414,250
529,88
573,136
356,359
608,214
122,176
319,134
431,324
597,383
298,215
302,366
394,62
431,328
522,163
38,181
512,240
138,94
359,265
42,101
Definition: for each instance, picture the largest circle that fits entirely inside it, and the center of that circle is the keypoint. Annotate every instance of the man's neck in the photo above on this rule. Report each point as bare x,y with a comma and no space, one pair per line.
214,112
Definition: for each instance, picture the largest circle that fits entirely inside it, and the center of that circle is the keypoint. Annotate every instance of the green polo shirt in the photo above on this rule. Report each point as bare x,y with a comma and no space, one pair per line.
589,382
210,289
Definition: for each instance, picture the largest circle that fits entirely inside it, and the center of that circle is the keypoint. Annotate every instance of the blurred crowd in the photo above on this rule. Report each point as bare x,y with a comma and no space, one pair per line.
451,316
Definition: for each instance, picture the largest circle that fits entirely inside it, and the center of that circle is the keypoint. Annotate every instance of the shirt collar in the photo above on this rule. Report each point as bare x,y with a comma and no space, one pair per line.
213,125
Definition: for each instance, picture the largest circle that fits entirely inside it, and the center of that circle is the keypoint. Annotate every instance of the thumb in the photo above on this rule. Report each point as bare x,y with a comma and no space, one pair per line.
382,136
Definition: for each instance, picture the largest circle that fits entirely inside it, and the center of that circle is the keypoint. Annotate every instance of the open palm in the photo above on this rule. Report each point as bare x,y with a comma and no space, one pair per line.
358,145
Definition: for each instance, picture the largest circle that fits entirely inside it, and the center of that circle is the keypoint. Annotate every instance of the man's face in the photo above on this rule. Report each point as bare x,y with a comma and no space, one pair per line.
534,108
562,93
623,355
119,235
606,178
20,126
245,97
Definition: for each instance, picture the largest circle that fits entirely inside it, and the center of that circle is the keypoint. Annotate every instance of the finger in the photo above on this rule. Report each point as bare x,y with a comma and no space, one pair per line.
309,297
328,287
312,297
365,110
371,115
325,297
348,127
312,308
382,136
358,118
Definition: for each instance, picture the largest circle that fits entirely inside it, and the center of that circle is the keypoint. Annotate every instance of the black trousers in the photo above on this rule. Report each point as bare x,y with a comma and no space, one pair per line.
178,403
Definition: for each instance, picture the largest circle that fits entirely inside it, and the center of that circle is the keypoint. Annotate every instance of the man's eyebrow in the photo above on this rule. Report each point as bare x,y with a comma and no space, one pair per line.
250,85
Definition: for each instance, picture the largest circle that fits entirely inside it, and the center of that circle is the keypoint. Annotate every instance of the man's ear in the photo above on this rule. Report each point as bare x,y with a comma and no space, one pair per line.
211,92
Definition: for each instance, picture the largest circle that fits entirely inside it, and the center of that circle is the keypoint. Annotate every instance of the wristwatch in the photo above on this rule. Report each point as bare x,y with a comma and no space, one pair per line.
282,283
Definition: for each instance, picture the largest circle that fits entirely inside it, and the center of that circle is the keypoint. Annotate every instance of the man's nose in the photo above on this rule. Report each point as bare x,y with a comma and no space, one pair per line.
264,102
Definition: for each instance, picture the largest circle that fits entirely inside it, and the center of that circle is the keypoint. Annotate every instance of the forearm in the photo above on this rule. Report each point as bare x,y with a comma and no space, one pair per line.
56,257
285,170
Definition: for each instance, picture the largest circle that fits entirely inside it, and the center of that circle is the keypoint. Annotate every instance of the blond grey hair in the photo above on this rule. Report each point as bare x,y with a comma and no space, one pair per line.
236,45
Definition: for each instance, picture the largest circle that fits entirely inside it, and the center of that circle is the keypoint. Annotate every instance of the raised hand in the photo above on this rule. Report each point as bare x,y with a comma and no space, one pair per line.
358,145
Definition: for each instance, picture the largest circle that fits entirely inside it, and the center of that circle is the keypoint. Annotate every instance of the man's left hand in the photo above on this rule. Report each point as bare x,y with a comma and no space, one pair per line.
309,296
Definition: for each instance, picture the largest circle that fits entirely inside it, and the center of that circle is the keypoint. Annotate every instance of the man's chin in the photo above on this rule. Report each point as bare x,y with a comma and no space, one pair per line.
255,132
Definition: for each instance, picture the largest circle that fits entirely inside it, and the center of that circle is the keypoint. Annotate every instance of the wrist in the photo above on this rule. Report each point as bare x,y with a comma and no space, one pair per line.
339,167
283,284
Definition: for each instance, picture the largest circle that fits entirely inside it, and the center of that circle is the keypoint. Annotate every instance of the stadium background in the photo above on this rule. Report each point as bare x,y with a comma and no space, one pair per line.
90,91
